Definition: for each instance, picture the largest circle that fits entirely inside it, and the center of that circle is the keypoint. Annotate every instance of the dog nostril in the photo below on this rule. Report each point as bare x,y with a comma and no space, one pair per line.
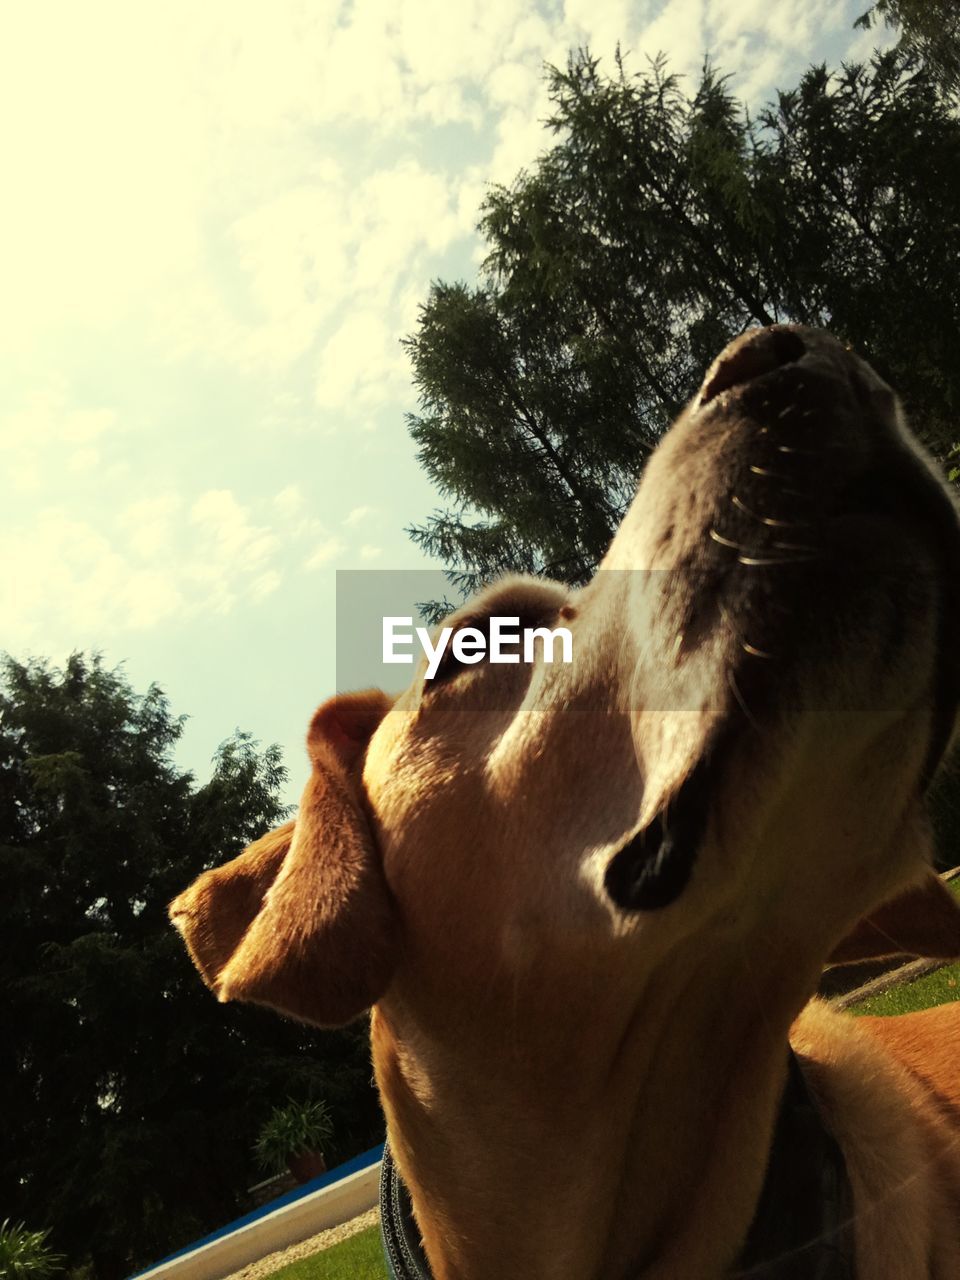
757,352
652,869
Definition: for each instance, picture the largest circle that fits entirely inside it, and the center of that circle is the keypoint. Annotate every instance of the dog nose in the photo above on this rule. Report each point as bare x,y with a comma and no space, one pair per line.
754,353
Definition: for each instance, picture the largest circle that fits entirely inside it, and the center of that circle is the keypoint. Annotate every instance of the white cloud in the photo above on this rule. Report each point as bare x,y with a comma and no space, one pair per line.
362,365
398,212
322,265
83,460
333,263
99,170
62,576
328,550
289,500
145,598
227,534
149,525
264,192
46,431
600,26
514,84
218,174
66,580
294,253
368,552
48,418
265,585
356,515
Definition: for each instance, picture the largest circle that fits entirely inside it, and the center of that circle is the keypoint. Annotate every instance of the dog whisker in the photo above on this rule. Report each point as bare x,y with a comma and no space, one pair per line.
741,702
814,552
768,520
754,561
741,639
753,650
726,542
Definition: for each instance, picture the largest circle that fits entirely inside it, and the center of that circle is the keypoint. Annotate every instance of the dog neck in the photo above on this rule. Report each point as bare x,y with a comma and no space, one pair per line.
530,1149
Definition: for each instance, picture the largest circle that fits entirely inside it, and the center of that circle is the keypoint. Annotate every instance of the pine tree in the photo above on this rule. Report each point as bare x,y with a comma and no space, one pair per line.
930,29
656,227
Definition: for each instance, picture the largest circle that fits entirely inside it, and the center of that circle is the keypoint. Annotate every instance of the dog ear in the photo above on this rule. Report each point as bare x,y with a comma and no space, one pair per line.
924,920
302,921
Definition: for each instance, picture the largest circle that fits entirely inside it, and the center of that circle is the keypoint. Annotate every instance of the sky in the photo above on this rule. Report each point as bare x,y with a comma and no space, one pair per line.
218,221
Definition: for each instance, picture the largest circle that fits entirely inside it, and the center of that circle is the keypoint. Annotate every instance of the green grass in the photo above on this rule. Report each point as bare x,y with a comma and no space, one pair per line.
935,988
359,1258
939,987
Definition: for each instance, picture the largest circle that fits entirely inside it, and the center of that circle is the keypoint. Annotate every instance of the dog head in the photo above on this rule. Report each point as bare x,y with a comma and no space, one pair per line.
765,676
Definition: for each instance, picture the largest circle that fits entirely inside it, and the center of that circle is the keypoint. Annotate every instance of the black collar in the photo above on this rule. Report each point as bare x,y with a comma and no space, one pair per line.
802,1229
399,1234
803,1225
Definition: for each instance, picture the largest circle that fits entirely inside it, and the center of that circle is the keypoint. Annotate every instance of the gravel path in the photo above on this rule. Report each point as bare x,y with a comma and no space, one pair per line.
274,1261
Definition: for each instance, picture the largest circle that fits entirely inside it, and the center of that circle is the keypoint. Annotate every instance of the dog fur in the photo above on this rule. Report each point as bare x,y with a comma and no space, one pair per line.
576,1089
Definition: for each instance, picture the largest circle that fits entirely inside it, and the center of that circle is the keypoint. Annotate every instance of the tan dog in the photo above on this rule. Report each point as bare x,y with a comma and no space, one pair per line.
588,902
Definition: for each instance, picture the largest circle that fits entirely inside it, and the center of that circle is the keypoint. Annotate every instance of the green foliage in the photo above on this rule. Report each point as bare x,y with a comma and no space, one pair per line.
291,1130
25,1255
131,1098
929,29
358,1258
656,226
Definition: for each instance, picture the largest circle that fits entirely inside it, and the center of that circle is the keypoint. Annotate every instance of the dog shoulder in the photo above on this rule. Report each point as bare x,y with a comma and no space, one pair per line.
900,1137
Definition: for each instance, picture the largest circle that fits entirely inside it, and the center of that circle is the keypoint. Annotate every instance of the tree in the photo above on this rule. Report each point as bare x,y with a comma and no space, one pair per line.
928,28
656,227
131,1099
